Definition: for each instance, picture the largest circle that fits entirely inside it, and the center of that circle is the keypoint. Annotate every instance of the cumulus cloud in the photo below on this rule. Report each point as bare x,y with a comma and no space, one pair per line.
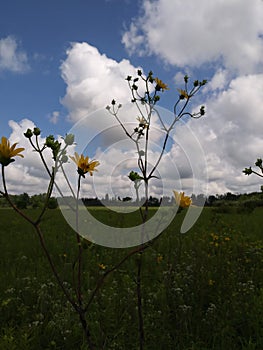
93,80
12,58
54,117
197,32
26,174
231,134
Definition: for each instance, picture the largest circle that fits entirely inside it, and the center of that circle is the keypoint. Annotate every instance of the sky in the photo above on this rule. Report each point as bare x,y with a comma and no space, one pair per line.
61,63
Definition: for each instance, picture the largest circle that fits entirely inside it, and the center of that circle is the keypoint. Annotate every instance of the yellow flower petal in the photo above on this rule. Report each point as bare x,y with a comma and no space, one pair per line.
83,164
7,152
182,200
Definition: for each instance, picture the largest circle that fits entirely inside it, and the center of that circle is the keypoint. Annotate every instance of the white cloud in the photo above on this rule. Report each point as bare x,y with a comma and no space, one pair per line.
12,58
54,117
93,80
25,174
196,32
231,134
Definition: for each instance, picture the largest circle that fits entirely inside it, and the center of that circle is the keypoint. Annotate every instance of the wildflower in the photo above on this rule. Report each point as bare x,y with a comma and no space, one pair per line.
211,282
183,94
159,258
214,236
182,200
160,85
102,266
83,164
227,238
142,122
7,152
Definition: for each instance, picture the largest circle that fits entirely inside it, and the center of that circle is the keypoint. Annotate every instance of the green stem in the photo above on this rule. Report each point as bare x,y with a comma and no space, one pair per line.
7,197
79,258
139,301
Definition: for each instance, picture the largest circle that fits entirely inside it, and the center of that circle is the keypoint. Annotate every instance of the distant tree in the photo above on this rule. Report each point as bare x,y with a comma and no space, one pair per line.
211,199
52,203
126,199
22,201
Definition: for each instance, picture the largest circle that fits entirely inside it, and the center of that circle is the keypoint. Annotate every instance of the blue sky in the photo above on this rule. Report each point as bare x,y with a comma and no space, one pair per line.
44,31
63,60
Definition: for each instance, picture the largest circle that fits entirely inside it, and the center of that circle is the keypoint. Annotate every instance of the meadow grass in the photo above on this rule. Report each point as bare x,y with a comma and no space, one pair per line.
201,290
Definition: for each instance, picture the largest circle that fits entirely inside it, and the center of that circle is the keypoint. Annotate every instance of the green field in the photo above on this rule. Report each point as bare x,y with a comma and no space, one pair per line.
201,290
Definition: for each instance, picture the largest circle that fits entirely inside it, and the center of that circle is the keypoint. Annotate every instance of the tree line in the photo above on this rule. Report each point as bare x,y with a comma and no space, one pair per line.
248,200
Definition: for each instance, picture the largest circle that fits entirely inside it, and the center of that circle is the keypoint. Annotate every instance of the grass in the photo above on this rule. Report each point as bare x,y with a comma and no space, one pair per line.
201,290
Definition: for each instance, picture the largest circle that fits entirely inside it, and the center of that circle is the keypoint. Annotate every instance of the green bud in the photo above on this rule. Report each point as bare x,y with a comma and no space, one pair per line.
55,149
247,171
139,72
69,139
134,176
28,134
50,141
113,102
186,78
36,131
64,158
196,83
259,162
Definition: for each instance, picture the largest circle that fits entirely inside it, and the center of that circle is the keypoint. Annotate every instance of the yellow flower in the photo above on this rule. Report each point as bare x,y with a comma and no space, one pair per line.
183,94
159,258
102,266
211,282
83,164
182,200
7,152
160,85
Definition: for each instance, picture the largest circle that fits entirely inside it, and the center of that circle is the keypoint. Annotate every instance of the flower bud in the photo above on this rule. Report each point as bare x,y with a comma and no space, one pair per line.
259,162
36,131
50,141
134,176
69,139
28,134
247,171
64,159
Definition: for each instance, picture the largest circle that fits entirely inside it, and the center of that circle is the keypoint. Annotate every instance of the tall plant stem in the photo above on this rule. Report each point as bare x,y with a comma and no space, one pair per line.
36,224
79,259
139,302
